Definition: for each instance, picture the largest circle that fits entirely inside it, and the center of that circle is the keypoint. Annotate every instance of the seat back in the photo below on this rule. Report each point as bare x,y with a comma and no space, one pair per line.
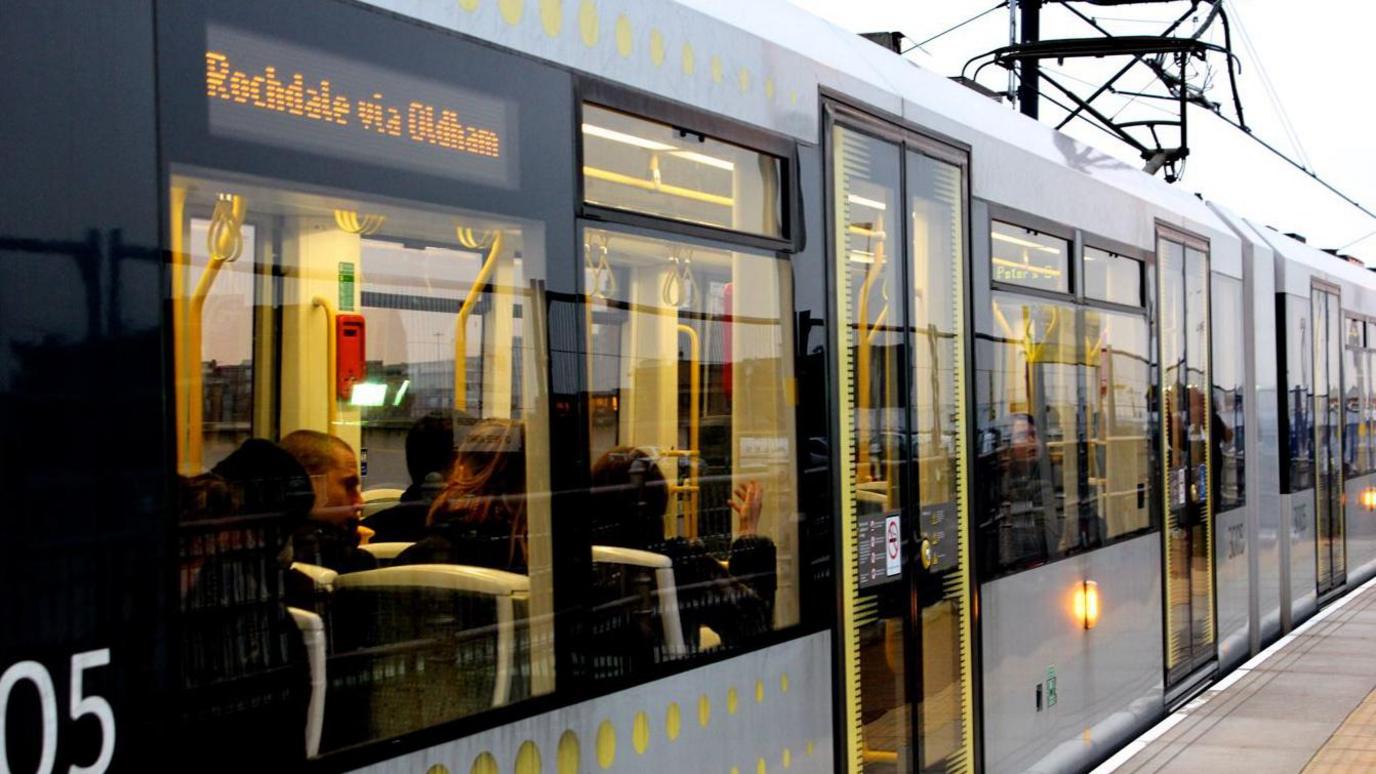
385,553
417,645
666,590
312,628
376,500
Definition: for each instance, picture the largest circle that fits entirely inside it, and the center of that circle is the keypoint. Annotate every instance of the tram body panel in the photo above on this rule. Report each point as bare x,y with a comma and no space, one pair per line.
1108,680
772,706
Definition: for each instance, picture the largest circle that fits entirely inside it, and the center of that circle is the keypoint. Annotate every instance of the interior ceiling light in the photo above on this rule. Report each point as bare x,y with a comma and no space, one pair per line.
1012,240
702,158
873,204
626,139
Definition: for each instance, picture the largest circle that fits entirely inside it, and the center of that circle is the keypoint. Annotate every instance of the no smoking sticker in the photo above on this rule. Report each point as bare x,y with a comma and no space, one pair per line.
893,546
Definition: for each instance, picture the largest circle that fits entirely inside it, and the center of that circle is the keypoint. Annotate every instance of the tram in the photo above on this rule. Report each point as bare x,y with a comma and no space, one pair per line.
540,385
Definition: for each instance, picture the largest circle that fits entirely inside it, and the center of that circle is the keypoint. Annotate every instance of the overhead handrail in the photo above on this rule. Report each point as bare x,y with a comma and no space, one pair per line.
224,244
348,220
494,247
331,362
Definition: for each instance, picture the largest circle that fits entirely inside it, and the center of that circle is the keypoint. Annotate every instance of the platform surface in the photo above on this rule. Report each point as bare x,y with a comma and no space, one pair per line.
1305,704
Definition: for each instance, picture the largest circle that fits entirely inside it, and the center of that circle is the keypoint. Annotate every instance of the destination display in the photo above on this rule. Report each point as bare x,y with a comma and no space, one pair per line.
277,93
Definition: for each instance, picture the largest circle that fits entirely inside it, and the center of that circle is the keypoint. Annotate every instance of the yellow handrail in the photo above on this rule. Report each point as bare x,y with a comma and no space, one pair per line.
180,263
694,423
460,322
862,364
224,243
331,363
657,187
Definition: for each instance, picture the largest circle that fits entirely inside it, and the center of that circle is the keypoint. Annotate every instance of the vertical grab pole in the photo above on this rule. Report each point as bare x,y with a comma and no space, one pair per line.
224,243
460,322
694,424
331,363
180,265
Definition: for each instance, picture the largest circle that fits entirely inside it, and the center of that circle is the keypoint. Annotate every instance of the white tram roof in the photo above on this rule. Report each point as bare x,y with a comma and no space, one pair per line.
762,61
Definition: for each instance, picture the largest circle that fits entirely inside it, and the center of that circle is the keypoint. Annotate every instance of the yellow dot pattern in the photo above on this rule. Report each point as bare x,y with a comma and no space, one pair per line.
656,48
769,88
625,42
483,764
732,700
760,767
528,759
783,683
438,768
640,733
587,23
786,758
759,691
704,710
469,5
552,17
810,749
512,11
743,78
606,744
735,770
673,723
716,69
568,754
689,61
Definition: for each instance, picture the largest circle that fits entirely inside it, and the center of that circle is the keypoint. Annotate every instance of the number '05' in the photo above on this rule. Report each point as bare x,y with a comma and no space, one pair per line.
78,706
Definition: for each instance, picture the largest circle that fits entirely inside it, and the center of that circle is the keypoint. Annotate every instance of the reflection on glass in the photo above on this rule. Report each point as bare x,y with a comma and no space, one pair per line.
869,252
1328,422
643,166
694,494
1113,278
1120,456
1356,457
1022,256
1228,417
1299,376
361,555
1029,434
935,203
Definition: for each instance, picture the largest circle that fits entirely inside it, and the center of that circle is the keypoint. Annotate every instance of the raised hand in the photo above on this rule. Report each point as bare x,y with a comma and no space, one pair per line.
747,502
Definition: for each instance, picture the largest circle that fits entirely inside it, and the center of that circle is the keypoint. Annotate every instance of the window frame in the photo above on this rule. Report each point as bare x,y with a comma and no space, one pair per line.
1079,239
601,93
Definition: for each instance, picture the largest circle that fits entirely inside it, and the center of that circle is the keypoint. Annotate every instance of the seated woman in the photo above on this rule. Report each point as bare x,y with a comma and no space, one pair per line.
479,518
736,601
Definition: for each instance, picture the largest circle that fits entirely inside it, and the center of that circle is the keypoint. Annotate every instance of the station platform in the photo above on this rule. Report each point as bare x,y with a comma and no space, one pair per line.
1305,704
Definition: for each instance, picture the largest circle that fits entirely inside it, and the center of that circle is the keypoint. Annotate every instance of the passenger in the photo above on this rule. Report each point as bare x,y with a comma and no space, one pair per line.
244,660
479,517
430,454
629,499
330,536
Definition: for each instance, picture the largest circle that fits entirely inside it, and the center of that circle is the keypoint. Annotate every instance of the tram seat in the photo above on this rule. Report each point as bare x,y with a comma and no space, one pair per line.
312,629
666,591
417,645
378,500
386,553
323,577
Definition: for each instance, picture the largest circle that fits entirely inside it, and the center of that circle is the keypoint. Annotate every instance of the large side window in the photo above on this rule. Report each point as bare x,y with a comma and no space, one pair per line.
1228,431
694,492
1356,457
385,529
1119,378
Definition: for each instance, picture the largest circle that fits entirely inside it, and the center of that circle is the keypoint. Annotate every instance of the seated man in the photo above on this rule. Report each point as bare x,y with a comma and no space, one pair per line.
329,537
430,454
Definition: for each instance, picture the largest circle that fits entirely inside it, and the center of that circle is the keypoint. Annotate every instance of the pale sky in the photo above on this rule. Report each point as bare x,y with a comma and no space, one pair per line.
1314,52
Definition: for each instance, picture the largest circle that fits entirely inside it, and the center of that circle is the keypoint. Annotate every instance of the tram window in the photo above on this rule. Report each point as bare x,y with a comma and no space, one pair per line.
692,439
1028,388
643,166
1023,256
395,520
1356,410
1120,452
1113,278
1299,395
1228,431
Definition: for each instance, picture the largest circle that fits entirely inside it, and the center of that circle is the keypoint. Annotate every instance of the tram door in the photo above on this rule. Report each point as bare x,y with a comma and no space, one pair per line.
1188,421
1328,441
899,220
